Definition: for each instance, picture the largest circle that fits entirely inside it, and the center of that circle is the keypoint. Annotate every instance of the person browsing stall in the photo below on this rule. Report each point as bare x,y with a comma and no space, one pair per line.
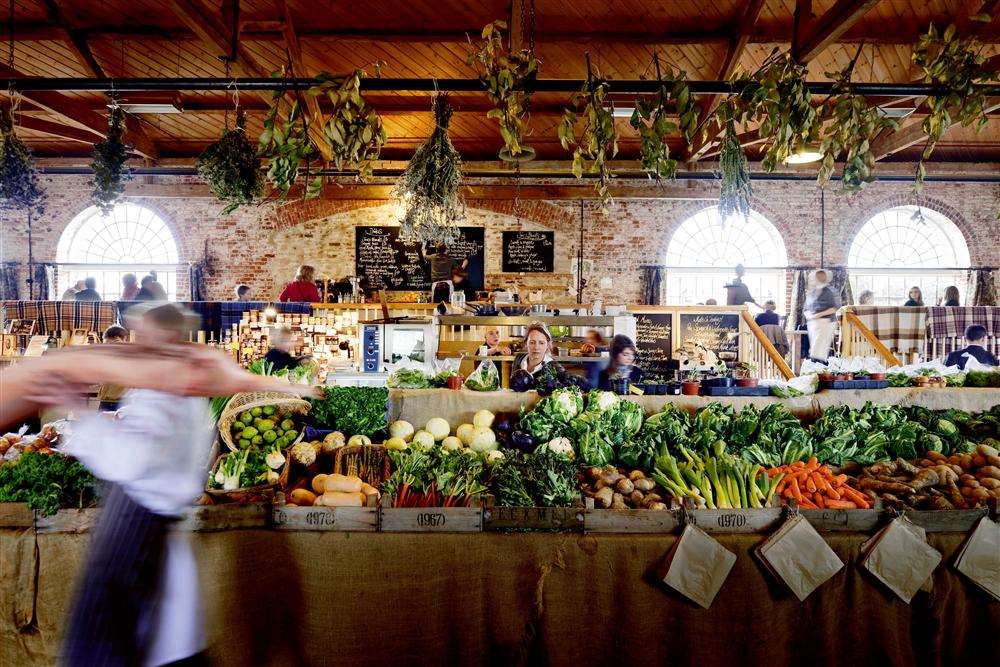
916,298
975,337
737,293
820,311
622,363
537,345
89,291
768,316
280,353
951,297
302,289
130,287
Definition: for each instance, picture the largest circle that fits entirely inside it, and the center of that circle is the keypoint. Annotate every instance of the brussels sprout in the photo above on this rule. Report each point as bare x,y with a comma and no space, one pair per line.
257,439
256,412
288,424
244,443
249,432
265,425
245,417
270,436
269,410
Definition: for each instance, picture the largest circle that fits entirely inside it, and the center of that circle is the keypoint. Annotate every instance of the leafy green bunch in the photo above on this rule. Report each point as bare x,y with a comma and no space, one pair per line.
285,144
231,168
47,483
110,164
19,186
652,115
354,130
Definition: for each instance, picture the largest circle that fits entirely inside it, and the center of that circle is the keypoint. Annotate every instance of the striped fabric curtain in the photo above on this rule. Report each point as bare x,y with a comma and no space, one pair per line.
842,285
10,288
799,285
652,285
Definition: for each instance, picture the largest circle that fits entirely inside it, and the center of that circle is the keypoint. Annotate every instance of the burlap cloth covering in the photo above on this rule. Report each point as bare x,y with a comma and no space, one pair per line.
418,405
276,598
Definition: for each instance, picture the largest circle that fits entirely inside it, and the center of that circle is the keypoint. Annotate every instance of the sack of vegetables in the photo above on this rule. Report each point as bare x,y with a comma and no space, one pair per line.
256,414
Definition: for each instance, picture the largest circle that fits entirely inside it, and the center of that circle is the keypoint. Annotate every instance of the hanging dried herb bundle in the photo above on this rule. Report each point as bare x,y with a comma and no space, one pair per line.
652,119
232,169
429,187
735,172
598,141
507,76
777,98
110,164
852,123
354,131
285,144
955,66
19,186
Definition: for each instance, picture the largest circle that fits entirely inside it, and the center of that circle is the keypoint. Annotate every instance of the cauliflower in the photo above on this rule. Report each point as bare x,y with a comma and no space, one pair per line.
568,400
560,446
303,453
494,456
602,400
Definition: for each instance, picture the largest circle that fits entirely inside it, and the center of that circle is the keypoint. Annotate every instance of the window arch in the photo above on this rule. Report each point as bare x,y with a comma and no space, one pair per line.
904,247
131,239
705,248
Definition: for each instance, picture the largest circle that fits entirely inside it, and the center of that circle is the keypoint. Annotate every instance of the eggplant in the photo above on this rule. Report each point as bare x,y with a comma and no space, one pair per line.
504,422
522,441
521,380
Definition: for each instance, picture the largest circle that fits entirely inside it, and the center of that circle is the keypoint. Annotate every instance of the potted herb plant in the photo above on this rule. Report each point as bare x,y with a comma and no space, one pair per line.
746,374
691,383
721,377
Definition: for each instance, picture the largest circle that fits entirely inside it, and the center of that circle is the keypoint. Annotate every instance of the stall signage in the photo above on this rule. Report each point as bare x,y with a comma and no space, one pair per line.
653,339
719,332
528,252
391,263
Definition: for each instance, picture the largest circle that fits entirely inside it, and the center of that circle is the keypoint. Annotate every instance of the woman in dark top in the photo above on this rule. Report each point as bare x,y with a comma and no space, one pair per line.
916,299
951,297
768,316
621,365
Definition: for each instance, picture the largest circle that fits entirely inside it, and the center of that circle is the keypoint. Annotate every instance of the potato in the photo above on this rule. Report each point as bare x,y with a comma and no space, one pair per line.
653,497
635,499
618,502
925,463
612,478
302,497
317,483
657,506
604,497
966,477
645,485
601,483
972,483
965,462
980,495
989,483
993,461
966,491
636,474
956,469
594,473
625,486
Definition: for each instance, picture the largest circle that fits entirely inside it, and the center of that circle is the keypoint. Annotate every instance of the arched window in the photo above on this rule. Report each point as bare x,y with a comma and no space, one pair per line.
132,239
705,249
905,247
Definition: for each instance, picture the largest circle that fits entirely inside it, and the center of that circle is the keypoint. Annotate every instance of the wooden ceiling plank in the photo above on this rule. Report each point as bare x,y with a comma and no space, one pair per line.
747,20
55,129
812,36
295,56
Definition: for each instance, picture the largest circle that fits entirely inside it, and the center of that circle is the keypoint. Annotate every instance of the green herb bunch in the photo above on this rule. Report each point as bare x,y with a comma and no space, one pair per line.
955,66
354,130
429,187
507,76
19,186
232,169
735,173
598,142
852,123
651,119
351,410
47,482
110,164
285,144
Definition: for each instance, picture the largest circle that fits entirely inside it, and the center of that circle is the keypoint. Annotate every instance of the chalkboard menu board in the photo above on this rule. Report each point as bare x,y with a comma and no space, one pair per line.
653,339
391,263
718,332
528,252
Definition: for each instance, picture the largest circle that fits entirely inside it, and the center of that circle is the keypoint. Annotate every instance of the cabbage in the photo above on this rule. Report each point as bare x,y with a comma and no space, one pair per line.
438,427
483,418
451,444
483,440
464,433
401,429
423,439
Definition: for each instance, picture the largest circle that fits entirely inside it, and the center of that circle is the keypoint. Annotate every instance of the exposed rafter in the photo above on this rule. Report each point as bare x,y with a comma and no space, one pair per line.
295,56
814,35
913,134
55,129
751,12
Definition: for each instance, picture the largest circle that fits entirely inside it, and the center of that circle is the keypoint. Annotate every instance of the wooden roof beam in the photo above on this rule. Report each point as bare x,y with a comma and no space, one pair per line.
312,102
55,129
747,21
814,35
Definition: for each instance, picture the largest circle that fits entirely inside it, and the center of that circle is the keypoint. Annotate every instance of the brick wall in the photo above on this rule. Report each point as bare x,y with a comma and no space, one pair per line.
261,246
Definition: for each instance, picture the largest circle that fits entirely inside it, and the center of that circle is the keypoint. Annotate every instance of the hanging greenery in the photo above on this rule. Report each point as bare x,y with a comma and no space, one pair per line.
652,120
232,169
955,66
735,172
429,187
110,164
507,76
354,130
285,144
598,141
851,123
19,186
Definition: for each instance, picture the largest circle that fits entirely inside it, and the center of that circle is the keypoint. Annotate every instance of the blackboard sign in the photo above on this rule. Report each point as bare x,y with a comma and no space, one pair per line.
528,252
653,339
718,332
387,262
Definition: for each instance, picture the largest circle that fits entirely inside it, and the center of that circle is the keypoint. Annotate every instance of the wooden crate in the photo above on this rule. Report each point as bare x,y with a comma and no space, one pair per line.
631,521
226,517
533,518
347,519
762,520
842,520
431,519
946,521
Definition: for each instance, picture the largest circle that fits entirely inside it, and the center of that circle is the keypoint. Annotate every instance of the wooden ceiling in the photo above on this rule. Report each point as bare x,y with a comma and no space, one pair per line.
708,39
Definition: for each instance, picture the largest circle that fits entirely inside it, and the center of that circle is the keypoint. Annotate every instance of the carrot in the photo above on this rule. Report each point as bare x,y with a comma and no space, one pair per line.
833,494
841,478
841,505
821,482
824,470
808,504
847,493
819,500
796,492
810,484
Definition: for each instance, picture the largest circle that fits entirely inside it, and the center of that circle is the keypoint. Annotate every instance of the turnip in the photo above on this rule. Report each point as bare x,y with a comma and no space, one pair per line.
401,429
423,439
395,443
438,427
464,433
451,444
483,440
483,419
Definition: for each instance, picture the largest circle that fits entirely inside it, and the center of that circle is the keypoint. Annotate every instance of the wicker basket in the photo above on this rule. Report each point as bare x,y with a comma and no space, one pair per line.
242,402
375,456
251,493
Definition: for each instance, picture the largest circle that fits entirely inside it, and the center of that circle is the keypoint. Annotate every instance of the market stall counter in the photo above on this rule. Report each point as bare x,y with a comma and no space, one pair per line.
284,598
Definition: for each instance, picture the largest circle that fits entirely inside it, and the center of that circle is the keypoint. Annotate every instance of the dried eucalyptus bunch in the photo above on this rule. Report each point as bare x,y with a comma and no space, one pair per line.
735,173
430,186
652,115
232,169
110,164
354,130
19,186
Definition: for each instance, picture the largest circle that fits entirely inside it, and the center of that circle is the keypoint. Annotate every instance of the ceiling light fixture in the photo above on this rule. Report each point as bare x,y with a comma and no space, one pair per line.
805,154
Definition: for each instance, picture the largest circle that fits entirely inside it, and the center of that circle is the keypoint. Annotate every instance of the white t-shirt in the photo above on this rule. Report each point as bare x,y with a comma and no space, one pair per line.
546,360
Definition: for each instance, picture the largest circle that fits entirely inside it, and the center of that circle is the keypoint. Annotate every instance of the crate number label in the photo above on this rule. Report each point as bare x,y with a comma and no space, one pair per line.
320,519
732,520
430,519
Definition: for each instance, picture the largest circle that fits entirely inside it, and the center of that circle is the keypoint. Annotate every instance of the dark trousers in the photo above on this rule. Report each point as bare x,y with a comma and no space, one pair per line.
112,614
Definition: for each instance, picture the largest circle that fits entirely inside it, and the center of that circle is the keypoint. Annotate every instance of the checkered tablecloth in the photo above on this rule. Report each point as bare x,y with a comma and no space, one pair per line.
900,329
63,315
948,322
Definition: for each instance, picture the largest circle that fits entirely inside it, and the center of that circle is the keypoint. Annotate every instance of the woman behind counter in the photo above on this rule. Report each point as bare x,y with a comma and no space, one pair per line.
537,343
302,289
621,366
